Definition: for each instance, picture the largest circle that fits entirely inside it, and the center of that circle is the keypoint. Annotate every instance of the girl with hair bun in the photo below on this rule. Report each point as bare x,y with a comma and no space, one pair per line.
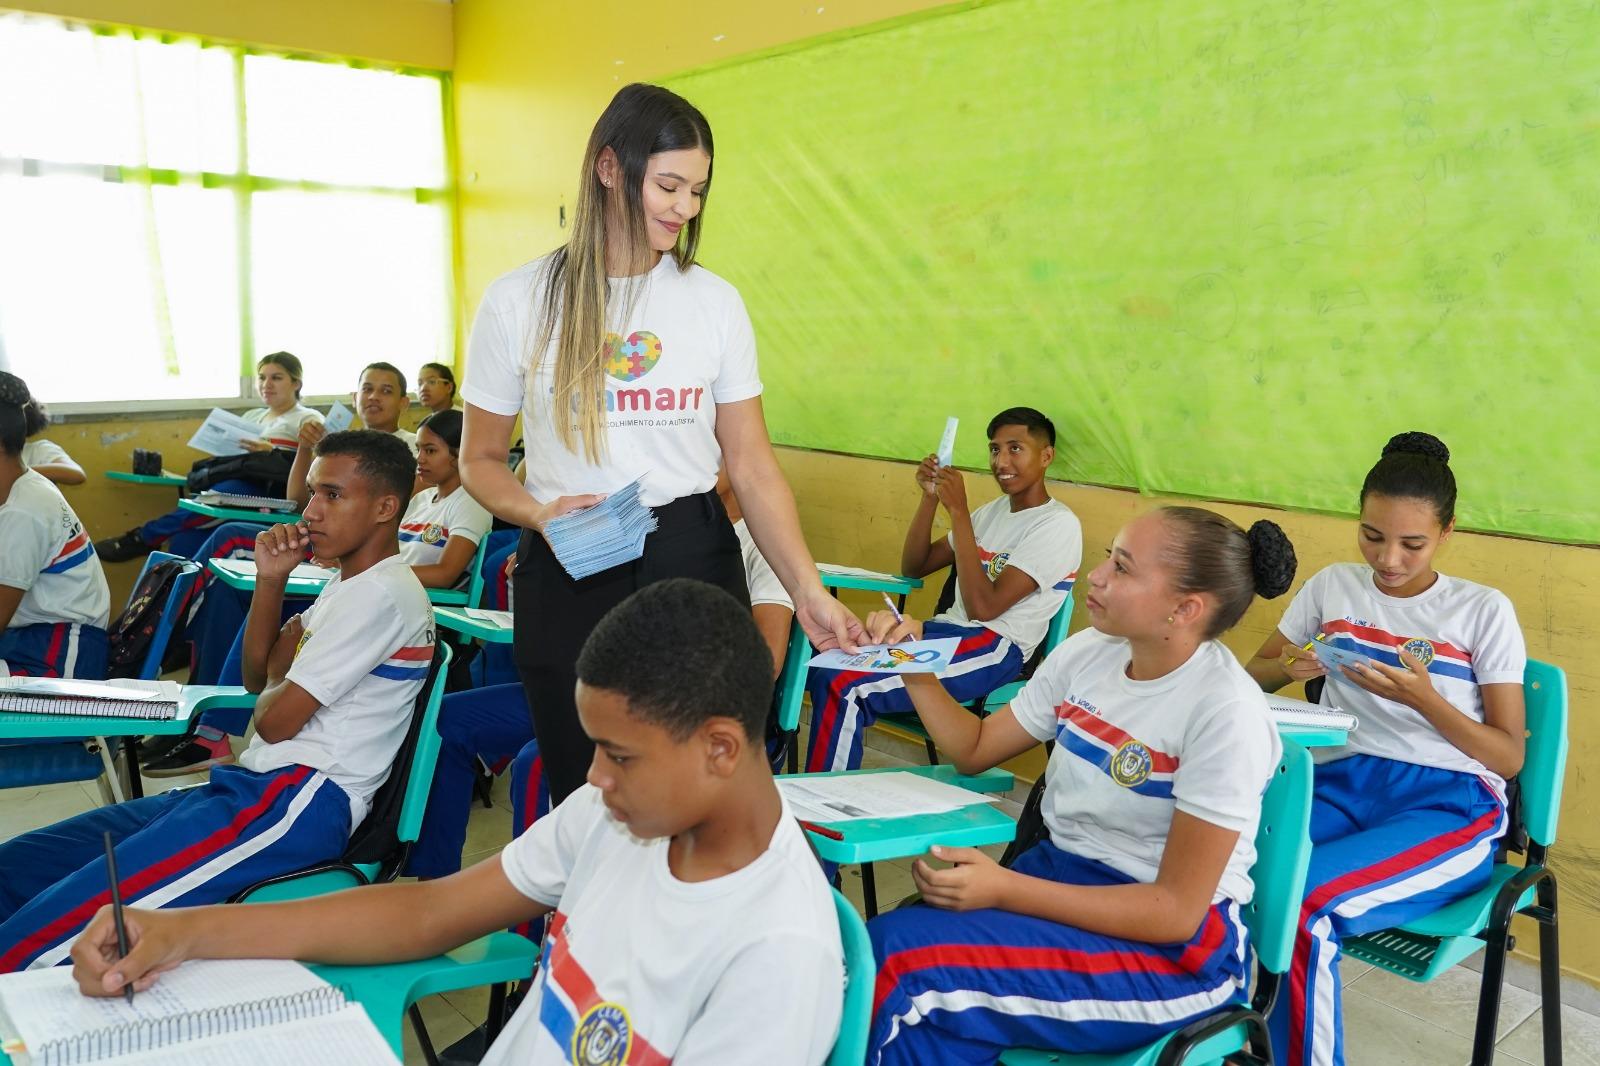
54,600
1407,813
1123,924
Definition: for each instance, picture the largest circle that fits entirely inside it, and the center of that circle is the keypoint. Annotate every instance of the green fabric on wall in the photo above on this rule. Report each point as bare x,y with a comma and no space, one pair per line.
1229,247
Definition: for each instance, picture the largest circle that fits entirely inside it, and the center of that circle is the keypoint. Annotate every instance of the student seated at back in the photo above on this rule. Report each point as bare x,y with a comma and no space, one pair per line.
1123,924
46,456
1405,817
1016,559
279,378
54,600
691,921
443,523
380,399
337,686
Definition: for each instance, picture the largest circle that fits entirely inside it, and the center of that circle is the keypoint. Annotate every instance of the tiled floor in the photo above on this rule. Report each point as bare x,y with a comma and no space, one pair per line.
1387,1020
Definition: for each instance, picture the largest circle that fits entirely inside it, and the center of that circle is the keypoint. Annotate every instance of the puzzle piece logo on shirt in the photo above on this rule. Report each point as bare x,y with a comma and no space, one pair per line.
632,359
603,1036
1130,766
1419,649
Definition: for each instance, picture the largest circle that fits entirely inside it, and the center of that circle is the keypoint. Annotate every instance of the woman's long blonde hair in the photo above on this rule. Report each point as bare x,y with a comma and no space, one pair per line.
641,121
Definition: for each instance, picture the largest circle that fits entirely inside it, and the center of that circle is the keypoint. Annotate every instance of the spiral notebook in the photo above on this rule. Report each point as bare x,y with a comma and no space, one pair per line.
121,698
246,502
252,1012
1287,711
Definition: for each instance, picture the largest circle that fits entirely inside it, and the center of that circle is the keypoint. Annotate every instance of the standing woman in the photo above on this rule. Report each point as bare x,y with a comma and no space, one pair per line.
626,359
436,387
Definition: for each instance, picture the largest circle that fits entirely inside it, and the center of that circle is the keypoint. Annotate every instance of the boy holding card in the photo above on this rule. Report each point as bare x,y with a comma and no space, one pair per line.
337,685
691,922
282,422
1015,558
381,399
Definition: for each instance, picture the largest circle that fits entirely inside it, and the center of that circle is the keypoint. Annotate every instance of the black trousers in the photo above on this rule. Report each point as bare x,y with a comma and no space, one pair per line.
555,615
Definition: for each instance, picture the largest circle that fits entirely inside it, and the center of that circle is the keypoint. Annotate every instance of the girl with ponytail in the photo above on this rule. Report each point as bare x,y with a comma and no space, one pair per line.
1123,924
1407,813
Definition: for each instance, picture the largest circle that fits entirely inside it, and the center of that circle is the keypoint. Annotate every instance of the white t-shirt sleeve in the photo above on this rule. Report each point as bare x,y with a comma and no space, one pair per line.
344,644
470,521
1035,706
1227,760
787,981
27,542
1303,619
48,453
738,379
1501,657
494,365
1050,551
539,862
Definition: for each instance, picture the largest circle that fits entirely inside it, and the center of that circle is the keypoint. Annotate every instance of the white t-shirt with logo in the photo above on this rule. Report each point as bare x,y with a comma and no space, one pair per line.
430,522
364,656
1466,634
282,431
744,968
687,346
41,452
1128,753
45,551
1044,542
764,584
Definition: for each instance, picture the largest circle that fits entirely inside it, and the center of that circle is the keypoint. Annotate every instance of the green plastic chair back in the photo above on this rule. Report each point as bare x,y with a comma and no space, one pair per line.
860,974
1544,766
1283,853
475,585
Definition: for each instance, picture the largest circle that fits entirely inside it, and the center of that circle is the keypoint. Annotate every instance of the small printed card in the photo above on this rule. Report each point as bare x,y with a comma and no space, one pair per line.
947,443
1332,656
338,419
910,657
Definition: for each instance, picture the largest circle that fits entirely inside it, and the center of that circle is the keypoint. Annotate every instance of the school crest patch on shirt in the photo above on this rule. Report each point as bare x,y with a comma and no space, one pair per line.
1130,766
603,1037
1419,649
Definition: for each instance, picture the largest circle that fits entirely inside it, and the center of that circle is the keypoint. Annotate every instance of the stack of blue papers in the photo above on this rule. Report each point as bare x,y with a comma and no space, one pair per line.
608,534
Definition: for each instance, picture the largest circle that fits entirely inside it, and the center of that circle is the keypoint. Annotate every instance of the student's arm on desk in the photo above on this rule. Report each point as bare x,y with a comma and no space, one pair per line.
458,553
369,925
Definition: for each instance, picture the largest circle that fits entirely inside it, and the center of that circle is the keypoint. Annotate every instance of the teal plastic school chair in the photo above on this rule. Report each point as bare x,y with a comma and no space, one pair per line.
860,972
1238,1034
1423,949
34,763
475,568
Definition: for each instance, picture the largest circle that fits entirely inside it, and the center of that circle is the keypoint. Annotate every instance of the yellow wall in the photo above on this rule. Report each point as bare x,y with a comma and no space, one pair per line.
405,32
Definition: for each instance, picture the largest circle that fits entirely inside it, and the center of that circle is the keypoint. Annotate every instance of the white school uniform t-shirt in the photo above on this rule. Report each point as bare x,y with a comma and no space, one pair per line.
1128,753
643,968
364,656
42,452
1465,633
763,583
1044,542
687,346
282,431
430,522
45,551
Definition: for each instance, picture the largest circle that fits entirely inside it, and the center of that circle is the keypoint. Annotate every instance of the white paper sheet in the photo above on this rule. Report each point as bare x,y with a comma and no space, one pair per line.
221,432
852,797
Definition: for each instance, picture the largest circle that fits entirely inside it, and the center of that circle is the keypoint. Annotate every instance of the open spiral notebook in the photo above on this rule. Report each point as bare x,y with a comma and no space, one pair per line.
1287,711
253,1012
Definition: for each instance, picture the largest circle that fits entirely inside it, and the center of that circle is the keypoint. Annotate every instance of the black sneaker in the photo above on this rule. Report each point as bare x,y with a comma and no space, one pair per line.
152,748
120,549
192,758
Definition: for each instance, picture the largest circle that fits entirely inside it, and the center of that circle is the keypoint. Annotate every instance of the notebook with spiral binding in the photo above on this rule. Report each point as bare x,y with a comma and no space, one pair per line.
120,698
253,1012
246,502
1287,711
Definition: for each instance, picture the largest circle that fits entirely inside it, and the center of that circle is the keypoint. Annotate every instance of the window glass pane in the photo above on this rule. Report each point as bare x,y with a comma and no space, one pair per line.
187,103
345,279
324,122
118,292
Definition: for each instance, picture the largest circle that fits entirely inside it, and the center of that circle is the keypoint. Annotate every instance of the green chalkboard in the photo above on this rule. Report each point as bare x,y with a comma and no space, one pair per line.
1229,246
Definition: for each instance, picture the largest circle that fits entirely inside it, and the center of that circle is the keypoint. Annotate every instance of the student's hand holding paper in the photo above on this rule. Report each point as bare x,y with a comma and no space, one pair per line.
1408,684
927,472
884,628
279,549
1301,663
546,513
973,883
156,943
951,489
311,431
255,444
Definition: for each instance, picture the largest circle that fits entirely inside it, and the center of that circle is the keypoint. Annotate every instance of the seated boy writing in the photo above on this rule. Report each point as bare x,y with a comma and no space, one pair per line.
692,923
1016,558
337,685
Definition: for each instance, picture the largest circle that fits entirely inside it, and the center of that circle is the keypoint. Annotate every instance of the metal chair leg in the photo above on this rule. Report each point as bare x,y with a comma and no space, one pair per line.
1550,971
869,891
423,1041
497,1014
933,751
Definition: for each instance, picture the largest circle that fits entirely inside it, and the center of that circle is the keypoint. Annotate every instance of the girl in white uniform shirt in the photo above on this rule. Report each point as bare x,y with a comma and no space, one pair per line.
1405,815
443,523
279,377
626,359
54,601
1123,924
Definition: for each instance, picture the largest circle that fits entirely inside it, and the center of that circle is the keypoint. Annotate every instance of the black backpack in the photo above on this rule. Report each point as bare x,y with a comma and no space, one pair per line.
270,470
130,634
